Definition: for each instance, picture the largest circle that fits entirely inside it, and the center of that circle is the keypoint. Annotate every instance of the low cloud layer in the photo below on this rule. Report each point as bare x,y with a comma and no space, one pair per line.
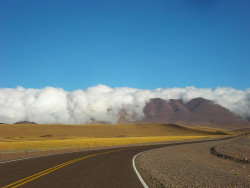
102,103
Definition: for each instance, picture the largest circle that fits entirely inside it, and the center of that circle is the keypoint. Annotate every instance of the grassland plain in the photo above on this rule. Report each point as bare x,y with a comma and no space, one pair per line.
32,138
74,143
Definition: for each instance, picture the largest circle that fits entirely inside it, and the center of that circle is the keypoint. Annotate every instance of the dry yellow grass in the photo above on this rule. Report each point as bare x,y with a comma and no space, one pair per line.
34,137
102,130
74,143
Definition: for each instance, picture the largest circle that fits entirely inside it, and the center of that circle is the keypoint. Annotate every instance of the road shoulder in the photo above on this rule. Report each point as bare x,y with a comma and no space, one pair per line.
192,165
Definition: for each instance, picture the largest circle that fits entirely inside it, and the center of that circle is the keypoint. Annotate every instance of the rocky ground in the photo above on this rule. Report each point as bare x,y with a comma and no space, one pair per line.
237,150
193,165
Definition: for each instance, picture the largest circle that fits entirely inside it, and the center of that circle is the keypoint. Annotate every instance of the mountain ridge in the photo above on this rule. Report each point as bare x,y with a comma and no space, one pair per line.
198,111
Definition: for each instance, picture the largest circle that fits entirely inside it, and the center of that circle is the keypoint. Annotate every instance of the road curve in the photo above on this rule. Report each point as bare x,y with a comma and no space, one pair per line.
97,168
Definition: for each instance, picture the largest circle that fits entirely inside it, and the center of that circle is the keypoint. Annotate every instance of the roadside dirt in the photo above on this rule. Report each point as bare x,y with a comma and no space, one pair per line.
236,150
193,165
19,155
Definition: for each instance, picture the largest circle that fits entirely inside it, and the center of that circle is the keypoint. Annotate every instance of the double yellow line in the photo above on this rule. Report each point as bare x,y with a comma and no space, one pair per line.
42,173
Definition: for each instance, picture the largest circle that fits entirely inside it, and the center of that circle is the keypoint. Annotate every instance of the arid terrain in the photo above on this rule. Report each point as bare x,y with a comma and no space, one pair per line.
22,140
194,165
184,156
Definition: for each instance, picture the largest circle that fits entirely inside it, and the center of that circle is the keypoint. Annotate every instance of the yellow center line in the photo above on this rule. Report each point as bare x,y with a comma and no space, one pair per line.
69,162
31,179
47,171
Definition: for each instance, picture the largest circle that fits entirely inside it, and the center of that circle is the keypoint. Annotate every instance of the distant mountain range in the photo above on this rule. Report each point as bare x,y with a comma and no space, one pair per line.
25,122
197,112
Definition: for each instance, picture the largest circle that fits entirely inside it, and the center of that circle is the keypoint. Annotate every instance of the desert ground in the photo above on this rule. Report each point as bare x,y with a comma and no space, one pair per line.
182,156
25,140
194,165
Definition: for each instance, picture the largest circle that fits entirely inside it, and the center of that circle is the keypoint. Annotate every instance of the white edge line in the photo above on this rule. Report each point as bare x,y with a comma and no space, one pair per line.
37,157
135,169
14,160
49,155
137,173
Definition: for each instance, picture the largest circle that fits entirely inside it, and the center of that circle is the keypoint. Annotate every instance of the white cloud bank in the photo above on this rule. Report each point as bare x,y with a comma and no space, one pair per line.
102,103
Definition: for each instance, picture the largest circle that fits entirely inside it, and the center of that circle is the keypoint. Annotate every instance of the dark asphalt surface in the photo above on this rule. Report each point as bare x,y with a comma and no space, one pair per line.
111,170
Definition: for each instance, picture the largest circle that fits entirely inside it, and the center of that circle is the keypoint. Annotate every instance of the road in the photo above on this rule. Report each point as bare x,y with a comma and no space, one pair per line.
111,168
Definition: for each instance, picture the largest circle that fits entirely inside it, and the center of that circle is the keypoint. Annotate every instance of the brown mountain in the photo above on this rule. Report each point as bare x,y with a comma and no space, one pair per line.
198,111
25,122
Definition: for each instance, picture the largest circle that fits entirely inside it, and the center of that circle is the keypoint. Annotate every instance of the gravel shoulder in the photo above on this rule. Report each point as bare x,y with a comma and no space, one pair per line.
237,150
193,165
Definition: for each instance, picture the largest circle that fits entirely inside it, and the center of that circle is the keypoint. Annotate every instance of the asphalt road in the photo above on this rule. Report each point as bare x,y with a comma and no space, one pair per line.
87,169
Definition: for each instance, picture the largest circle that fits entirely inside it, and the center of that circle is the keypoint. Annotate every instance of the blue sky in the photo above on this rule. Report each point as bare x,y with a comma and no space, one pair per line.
144,44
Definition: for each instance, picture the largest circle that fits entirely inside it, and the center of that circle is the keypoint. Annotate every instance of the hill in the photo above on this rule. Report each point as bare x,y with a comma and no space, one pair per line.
25,122
198,111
